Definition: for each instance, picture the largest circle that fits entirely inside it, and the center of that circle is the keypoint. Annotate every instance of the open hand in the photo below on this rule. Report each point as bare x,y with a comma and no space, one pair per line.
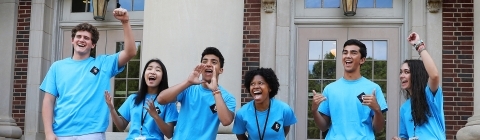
317,99
371,101
213,85
50,136
195,75
108,99
121,14
151,109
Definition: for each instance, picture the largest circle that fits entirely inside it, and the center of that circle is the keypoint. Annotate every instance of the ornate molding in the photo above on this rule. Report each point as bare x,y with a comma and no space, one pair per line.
434,6
269,5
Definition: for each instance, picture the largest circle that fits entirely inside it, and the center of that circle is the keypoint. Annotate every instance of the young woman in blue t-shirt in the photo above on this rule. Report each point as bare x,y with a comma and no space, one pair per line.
264,117
421,115
160,119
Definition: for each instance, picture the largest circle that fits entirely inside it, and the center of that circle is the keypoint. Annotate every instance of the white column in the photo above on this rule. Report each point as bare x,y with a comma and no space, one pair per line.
177,32
471,129
268,25
8,27
39,61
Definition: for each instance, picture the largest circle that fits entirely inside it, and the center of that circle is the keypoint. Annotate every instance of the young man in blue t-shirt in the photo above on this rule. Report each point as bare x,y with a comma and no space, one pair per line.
205,104
73,106
352,107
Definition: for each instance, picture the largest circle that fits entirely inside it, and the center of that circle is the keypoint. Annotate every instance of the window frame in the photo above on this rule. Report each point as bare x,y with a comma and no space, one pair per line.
396,11
67,15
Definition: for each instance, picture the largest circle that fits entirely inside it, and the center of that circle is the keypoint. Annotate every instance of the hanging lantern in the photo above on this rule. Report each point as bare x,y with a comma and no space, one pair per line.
99,9
349,7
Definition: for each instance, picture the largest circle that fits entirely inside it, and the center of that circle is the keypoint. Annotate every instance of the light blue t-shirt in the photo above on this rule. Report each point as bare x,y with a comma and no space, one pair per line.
133,114
198,118
350,120
281,115
434,129
79,88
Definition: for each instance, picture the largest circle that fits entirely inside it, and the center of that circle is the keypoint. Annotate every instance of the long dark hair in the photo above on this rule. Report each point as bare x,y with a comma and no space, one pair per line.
418,79
142,91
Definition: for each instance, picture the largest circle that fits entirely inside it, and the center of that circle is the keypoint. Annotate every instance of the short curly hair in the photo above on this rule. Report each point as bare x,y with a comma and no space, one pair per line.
268,74
89,28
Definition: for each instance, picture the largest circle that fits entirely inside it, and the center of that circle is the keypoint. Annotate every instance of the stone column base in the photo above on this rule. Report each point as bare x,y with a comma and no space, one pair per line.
9,129
470,131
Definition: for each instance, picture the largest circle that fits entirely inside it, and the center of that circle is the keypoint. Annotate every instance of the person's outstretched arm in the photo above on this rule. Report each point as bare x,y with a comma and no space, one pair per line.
130,49
433,78
170,94
322,121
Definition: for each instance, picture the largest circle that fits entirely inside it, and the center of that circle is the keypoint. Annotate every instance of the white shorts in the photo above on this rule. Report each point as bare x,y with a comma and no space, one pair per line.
93,136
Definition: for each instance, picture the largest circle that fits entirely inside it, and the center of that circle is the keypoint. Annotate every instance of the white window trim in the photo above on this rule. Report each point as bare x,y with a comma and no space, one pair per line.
302,12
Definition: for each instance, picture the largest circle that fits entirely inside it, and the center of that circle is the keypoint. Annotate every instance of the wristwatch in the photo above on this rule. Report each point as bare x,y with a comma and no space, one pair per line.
416,45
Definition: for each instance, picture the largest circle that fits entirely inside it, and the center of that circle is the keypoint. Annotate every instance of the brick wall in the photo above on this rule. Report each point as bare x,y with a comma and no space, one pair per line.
251,41
21,62
457,63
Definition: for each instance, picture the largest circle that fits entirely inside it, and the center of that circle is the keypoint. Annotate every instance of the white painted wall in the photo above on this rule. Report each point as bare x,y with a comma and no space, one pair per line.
178,31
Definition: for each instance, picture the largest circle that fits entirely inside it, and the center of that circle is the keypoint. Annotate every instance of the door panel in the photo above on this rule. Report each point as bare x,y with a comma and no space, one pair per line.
316,69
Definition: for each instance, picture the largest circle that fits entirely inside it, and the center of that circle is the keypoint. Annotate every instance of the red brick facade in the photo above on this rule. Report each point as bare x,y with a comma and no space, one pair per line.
21,62
251,41
457,63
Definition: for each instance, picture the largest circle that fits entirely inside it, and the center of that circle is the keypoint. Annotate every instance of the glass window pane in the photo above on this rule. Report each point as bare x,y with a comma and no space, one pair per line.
365,4
123,74
314,85
312,130
119,46
315,50
312,3
331,3
383,85
314,69
132,86
126,4
380,50
366,69
120,85
329,69
369,45
133,69
329,49
380,70
81,6
138,5
384,3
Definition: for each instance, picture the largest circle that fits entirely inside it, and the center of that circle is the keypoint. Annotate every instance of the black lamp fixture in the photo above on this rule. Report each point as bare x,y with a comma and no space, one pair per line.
349,7
99,9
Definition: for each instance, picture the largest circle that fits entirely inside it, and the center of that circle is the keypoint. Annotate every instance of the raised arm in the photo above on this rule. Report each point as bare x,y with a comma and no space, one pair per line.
130,49
433,78
169,95
224,115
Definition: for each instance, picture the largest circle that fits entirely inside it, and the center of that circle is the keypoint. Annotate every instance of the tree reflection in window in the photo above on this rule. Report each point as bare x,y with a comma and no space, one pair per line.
127,82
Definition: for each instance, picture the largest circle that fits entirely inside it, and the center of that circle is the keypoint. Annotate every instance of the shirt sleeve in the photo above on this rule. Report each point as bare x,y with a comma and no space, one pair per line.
181,95
172,113
111,63
49,84
324,107
239,125
381,99
230,102
289,116
124,110
437,100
